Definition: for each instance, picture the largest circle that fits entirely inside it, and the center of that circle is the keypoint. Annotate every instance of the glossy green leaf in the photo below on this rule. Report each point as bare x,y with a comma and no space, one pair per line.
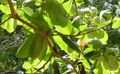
60,1
41,23
79,2
26,65
85,62
5,9
38,2
116,22
65,30
65,47
110,62
105,38
56,12
67,6
24,49
100,69
38,47
9,25
44,60
27,10
70,43
89,49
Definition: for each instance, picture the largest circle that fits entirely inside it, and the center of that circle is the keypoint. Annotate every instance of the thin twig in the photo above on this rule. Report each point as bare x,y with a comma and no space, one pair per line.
78,34
5,21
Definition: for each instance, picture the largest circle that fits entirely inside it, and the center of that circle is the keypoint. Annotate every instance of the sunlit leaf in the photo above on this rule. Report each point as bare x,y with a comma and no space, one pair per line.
64,46
89,49
116,22
27,10
100,69
26,65
60,1
5,9
65,30
9,25
67,5
105,38
85,62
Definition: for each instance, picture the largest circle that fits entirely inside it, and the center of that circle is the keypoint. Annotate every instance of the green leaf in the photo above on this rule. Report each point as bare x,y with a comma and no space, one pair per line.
79,24
5,9
43,61
70,43
38,2
38,47
102,13
110,62
100,69
67,6
9,25
100,21
105,38
60,1
56,12
24,49
40,23
100,34
89,49
65,30
26,65
79,2
27,10
65,47
96,44
116,22
20,2
85,62
4,2
96,34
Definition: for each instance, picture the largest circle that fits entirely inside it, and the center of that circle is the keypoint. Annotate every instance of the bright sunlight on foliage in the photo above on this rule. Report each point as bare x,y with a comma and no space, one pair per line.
65,36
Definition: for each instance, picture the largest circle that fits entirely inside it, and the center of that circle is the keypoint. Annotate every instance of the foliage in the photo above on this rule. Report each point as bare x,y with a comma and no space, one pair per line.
9,43
76,33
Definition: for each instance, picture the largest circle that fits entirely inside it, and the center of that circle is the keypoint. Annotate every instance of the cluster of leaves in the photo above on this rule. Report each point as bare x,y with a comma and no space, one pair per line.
71,32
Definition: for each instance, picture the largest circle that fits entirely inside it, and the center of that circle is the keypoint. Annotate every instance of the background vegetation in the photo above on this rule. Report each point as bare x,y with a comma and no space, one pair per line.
60,36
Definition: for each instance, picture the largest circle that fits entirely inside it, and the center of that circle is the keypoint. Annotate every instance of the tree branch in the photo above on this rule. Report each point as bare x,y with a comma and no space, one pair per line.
42,34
